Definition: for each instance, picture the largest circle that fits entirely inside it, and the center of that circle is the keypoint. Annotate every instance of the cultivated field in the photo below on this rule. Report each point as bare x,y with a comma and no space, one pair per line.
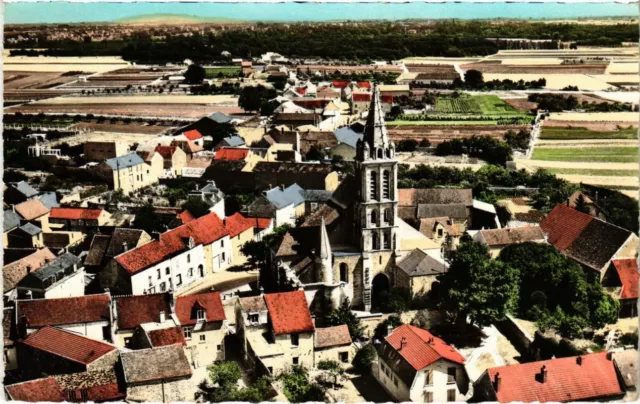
439,133
145,99
555,81
618,117
120,128
62,64
598,154
575,133
537,68
222,71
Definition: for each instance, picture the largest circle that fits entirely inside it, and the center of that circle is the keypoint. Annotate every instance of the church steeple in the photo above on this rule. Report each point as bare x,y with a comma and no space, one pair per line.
323,256
375,131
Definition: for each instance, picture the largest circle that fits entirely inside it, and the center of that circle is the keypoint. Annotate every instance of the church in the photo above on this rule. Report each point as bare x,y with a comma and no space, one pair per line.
349,247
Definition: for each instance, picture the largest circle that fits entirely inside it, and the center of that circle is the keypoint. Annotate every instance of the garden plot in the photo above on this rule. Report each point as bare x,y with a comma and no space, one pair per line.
583,133
440,133
475,105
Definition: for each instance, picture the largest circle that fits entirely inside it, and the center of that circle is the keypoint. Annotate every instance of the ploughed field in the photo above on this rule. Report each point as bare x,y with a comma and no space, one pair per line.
122,109
21,80
440,133
584,132
599,68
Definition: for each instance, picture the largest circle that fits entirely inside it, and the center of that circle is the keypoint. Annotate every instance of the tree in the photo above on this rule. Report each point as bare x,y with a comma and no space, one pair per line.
473,78
333,370
363,358
477,287
395,112
194,74
252,97
196,206
147,220
408,145
382,329
297,387
397,300
344,315
315,154
425,142
225,375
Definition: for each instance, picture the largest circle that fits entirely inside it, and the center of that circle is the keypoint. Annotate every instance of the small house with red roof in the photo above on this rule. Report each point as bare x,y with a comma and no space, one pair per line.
275,331
77,219
334,344
621,281
52,351
130,312
589,241
241,230
204,324
414,365
178,259
193,135
361,99
174,159
591,377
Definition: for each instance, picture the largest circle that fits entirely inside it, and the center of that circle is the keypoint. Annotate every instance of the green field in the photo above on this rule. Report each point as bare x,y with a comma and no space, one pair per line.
593,154
584,133
225,71
476,104
452,122
580,171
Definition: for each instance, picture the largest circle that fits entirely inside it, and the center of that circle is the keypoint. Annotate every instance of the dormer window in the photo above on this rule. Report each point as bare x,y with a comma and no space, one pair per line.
201,315
254,318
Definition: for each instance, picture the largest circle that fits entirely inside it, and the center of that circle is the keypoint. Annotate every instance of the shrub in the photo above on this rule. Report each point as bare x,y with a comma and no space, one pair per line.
363,359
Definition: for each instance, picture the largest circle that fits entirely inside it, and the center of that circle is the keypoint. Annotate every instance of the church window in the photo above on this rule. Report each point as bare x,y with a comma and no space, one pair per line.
375,243
373,185
374,218
344,272
387,215
385,184
379,153
388,153
386,241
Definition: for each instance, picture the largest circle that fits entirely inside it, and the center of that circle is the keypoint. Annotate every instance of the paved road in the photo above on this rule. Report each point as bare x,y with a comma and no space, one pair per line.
221,282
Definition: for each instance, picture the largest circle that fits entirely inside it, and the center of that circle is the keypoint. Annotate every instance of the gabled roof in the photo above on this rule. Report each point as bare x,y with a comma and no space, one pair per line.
347,136
627,270
237,223
457,211
75,213
25,189
131,311
289,312
588,240
99,385
567,380
419,263
148,365
62,311
232,153
123,235
126,161
31,209
66,344
219,117
11,220
204,230
232,141
59,264
192,134
332,336
166,151
515,235
428,226
414,196
262,208
34,391
49,199
30,229
210,302
253,304
293,194
166,336
98,247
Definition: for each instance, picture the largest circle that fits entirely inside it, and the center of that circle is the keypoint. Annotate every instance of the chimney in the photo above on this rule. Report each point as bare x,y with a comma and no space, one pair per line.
163,316
610,355
197,187
125,246
270,186
403,342
579,360
261,291
543,374
497,382
28,269
282,187
389,329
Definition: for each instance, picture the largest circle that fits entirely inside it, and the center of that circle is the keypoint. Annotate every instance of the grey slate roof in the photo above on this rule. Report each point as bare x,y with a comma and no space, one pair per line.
120,236
50,200
456,211
126,161
348,136
64,262
261,207
11,220
155,364
30,229
219,117
419,263
597,244
293,194
24,188
232,141
316,195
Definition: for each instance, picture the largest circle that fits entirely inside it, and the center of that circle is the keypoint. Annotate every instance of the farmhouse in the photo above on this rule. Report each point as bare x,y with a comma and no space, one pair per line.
497,239
128,173
621,281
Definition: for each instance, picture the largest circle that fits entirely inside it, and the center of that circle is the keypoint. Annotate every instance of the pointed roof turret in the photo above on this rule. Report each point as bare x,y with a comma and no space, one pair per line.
375,131
324,247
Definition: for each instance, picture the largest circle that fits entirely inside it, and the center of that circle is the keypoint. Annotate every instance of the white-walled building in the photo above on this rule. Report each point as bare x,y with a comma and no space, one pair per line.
61,277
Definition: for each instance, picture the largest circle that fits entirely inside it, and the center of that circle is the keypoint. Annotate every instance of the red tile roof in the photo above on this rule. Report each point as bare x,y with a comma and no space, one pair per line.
628,273
260,222
232,153
104,392
167,336
332,336
132,311
236,224
68,310
420,348
166,151
361,97
566,380
311,103
301,91
210,302
364,84
289,312
192,134
386,99
75,213
31,209
564,225
66,344
204,230
38,390
186,217
340,83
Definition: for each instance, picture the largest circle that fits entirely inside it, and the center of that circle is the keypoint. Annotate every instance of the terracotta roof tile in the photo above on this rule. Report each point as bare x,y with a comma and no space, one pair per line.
147,365
508,236
39,390
253,304
192,134
627,270
236,224
167,336
68,310
232,153
332,336
166,151
289,312
135,310
68,345
186,217
420,348
564,225
210,302
99,386
15,271
75,213
31,209
567,380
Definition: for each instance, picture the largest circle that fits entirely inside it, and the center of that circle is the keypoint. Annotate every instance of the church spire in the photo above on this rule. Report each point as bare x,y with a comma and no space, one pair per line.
324,258
375,131
324,247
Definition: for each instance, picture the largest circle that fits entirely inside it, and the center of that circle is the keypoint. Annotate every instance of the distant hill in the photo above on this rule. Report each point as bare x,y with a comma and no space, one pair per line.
172,19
